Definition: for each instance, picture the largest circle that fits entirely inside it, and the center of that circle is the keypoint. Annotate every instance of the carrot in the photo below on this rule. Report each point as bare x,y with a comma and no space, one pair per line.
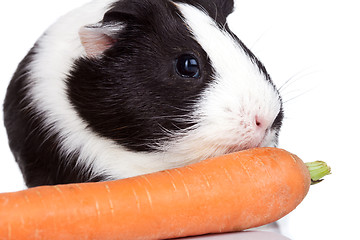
228,193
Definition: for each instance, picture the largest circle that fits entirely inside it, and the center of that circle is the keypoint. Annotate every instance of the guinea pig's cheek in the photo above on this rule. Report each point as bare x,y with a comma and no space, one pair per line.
245,135
269,140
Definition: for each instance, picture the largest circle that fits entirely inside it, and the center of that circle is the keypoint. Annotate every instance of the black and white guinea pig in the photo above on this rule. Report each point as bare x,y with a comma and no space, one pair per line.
119,88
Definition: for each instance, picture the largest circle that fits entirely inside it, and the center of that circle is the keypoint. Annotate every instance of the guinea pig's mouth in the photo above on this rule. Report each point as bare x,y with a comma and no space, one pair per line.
237,148
268,139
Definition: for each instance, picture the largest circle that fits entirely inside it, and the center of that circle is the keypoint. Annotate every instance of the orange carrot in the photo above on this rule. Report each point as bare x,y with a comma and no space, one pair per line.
228,193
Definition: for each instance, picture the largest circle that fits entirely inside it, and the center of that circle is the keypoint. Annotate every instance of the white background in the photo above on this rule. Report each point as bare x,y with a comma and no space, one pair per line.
313,43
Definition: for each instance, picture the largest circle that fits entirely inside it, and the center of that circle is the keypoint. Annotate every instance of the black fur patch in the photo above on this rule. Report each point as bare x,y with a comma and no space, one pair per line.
133,94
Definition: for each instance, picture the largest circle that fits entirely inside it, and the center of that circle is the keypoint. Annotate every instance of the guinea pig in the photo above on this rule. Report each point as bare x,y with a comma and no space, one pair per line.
119,88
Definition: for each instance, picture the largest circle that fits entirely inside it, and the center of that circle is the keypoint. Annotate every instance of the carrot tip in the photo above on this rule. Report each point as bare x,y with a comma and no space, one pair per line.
318,170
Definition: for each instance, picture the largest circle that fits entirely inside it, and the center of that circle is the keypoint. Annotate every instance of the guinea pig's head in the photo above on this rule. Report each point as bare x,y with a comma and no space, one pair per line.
168,76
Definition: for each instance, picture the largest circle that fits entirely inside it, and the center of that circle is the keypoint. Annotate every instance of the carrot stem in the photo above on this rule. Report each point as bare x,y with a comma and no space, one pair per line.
318,170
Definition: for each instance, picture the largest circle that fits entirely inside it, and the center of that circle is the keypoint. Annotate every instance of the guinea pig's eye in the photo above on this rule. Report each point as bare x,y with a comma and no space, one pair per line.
187,66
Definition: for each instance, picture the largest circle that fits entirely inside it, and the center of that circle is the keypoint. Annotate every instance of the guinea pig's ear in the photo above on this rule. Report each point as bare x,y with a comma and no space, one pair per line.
226,6
99,37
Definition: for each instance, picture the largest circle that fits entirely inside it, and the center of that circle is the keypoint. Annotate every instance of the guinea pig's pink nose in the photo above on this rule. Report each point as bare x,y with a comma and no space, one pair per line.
258,122
260,129
261,123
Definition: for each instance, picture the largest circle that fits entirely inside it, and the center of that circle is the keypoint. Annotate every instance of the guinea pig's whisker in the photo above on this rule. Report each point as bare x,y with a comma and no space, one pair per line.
293,79
287,90
289,82
296,96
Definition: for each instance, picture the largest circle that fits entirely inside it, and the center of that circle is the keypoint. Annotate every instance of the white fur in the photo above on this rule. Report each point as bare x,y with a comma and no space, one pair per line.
228,106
